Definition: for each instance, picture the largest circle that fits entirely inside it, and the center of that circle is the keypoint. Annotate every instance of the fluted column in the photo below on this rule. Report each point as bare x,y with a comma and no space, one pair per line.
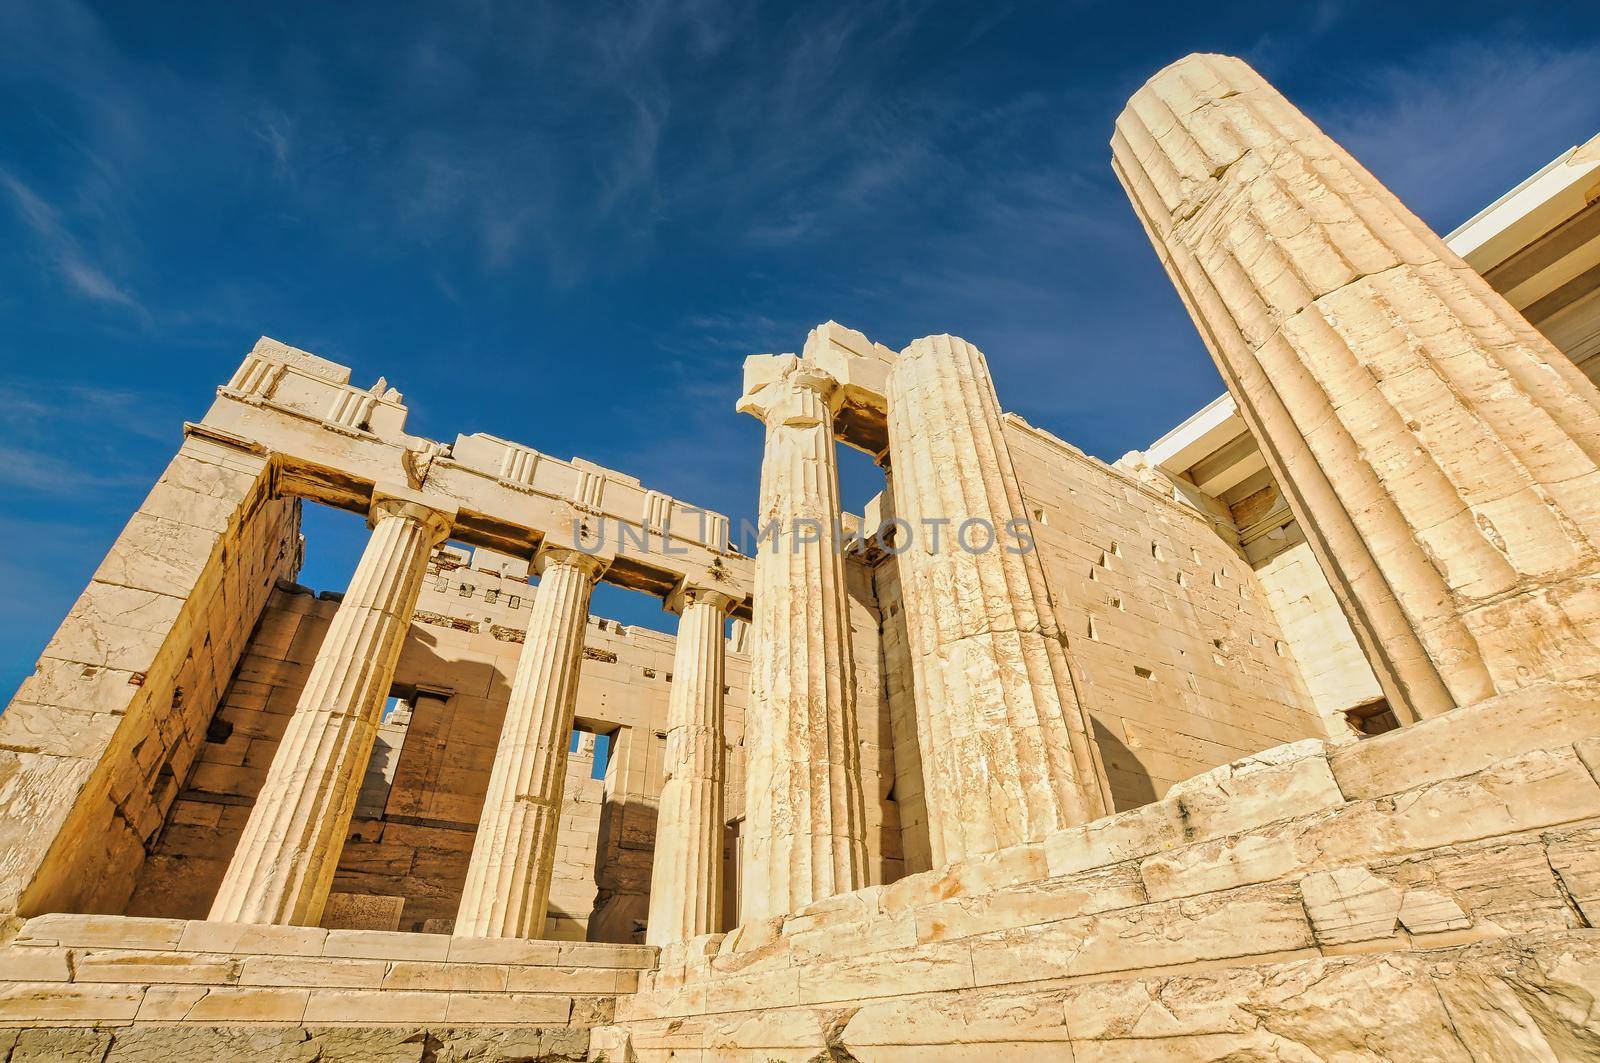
1439,453
287,856
1006,752
686,875
508,879
804,830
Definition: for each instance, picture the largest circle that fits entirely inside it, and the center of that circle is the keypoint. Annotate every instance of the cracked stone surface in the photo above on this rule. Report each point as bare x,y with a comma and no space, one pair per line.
1437,450
805,819
1004,740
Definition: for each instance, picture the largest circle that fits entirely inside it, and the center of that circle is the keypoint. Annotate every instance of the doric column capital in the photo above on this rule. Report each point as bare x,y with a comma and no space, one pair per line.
393,500
688,594
550,554
783,389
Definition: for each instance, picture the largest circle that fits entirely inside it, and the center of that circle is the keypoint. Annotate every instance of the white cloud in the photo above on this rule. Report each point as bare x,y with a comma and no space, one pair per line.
1457,125
83,277
39,472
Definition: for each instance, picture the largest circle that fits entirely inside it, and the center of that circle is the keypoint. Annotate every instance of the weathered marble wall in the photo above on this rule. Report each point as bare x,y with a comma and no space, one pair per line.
1176,652
94,747
1331,663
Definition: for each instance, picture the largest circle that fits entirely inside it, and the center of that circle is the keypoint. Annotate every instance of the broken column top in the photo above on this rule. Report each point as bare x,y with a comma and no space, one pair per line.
859,365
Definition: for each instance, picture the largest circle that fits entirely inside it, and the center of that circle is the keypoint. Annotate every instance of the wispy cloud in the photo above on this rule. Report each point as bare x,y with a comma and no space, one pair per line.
276,131
98,439
740,331
763,130
63,250
37,471
1463,121
30,408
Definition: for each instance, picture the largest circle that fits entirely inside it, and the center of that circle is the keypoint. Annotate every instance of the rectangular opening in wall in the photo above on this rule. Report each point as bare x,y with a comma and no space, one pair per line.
378,780
591,744
1143,672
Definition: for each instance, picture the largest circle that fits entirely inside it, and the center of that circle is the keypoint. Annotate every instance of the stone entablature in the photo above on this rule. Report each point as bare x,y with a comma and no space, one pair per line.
509,497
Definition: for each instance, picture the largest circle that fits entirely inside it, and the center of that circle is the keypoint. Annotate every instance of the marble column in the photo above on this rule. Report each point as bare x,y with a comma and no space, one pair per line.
1439,453
686,874
805,823
1006,750
508,878
285,861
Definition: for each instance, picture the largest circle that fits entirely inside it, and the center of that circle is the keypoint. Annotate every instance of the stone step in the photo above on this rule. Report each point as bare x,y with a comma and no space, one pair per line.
100,970
247,939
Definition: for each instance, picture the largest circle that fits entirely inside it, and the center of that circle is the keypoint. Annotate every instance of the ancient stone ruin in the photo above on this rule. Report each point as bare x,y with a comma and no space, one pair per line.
1277,740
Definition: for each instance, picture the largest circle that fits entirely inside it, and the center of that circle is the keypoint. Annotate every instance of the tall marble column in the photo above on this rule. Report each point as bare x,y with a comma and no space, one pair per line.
686,874
1438,451
804,834
1006,752
508,878
286,858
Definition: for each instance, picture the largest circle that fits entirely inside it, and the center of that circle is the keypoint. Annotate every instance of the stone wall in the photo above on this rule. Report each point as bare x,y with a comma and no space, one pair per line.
1177,654
879,749
263,1043
95,745
1335,671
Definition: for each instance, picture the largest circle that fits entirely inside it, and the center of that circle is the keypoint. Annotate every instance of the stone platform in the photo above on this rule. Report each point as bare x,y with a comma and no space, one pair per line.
174,982
1427,894
266,1043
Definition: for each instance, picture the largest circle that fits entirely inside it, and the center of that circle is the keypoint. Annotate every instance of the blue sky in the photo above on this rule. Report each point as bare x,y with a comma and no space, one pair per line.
568,228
